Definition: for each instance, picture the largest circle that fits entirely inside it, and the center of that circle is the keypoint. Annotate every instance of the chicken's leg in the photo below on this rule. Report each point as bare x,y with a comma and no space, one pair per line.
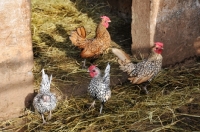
49,117
84,64
145,89
102,104
43,119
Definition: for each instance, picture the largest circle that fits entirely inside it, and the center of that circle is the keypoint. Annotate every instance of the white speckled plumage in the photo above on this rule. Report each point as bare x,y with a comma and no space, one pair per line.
45,101
143,71
99,87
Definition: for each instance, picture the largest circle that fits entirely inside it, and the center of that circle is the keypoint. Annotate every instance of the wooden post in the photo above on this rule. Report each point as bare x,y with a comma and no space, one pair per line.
16,57
140,27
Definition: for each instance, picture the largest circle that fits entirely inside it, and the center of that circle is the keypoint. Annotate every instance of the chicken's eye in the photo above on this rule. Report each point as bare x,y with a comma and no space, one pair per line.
93,70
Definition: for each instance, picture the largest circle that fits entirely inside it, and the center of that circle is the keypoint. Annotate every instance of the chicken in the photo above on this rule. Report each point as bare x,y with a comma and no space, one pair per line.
143,71
92,47
99,87
45,101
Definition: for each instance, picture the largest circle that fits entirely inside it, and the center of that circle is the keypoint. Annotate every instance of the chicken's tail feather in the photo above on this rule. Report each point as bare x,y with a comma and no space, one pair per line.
124,60
106,77
81,32
78,37
121,55
46,82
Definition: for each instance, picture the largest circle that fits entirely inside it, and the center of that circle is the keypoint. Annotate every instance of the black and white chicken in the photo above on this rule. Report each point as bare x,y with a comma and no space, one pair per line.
99,87
144,71
45,101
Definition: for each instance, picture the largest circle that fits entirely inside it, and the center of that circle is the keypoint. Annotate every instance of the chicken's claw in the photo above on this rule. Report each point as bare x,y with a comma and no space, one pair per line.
92,105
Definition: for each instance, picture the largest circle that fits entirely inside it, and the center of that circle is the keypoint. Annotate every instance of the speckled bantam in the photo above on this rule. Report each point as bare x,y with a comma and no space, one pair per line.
45,101
143,71
95,46
99,87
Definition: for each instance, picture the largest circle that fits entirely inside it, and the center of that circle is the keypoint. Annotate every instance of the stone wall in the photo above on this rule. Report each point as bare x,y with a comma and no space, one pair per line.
174,22
178,26
16,59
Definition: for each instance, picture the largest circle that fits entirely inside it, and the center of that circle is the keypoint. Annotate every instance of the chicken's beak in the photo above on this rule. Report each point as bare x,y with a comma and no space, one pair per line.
109,20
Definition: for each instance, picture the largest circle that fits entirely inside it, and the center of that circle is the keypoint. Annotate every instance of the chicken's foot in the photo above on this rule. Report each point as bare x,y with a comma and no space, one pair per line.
92,105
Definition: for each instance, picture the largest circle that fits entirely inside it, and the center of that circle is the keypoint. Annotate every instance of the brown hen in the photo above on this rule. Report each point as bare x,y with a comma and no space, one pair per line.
92,47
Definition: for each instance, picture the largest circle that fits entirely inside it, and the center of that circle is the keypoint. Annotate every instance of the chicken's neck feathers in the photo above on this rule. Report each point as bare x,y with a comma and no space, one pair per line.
100,31
154,56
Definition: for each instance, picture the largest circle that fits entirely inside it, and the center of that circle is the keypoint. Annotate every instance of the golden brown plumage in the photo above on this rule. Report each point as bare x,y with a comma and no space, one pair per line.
92,47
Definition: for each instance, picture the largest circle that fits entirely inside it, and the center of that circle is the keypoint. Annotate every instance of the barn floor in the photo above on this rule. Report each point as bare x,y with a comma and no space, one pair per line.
173,103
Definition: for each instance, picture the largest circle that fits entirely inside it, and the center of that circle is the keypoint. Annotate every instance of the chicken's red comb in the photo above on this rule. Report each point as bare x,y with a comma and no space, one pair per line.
91,67
105,17
160,44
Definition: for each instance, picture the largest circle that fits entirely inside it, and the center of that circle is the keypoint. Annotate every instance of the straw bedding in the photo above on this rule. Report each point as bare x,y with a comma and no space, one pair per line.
171,105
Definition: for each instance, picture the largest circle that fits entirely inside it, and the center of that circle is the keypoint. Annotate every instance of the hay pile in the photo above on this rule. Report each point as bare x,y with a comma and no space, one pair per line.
173,98
52,23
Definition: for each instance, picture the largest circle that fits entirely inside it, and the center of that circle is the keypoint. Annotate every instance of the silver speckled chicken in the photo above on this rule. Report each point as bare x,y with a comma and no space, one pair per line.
99,87
143,71
45,101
